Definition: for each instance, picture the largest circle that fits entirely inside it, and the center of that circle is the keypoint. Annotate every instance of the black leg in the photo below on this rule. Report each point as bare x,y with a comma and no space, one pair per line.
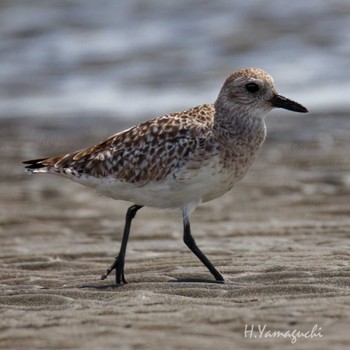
191,243
119,261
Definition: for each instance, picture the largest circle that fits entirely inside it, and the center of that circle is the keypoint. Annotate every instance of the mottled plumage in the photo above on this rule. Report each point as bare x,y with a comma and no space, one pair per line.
180,159
146,152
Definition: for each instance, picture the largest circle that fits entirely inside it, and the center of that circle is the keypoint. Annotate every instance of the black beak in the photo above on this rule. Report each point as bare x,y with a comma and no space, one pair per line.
283,102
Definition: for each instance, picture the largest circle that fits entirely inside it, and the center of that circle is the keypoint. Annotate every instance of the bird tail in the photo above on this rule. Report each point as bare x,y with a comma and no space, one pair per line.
42,165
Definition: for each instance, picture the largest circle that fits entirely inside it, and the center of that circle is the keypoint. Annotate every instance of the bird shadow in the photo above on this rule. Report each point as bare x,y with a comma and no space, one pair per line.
196,280
173,280
178,280
103,287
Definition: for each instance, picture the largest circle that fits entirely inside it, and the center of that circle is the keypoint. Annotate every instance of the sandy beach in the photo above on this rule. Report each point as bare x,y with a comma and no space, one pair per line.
280,238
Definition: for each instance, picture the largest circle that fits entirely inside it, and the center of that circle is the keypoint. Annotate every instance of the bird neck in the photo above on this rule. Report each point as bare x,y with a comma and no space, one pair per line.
237,121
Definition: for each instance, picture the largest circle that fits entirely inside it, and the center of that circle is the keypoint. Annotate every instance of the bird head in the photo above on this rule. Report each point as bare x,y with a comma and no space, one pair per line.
252,92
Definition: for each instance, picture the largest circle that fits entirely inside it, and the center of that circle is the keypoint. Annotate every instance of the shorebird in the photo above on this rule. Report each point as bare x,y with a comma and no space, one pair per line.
178,160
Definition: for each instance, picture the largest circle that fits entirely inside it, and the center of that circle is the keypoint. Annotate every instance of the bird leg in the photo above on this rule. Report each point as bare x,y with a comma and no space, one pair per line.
191,243
119,261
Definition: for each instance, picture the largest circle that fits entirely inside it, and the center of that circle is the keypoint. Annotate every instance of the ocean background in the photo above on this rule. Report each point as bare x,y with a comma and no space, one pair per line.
137,59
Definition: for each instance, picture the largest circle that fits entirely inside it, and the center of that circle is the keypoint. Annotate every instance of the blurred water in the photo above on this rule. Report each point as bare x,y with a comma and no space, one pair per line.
141,58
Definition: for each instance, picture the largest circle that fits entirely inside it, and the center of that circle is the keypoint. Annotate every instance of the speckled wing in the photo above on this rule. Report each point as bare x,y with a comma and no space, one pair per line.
147,152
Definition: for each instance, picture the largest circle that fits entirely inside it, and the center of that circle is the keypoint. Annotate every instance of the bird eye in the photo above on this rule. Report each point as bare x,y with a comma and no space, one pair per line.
252,87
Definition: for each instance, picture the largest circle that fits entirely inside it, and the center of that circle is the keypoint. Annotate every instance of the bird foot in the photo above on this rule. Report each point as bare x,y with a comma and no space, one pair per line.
118,266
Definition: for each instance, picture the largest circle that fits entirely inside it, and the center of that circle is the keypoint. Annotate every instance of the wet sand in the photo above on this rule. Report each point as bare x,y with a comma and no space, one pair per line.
280,238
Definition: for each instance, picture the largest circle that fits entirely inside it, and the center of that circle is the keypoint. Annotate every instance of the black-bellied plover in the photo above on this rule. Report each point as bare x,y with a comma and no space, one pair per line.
178,160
